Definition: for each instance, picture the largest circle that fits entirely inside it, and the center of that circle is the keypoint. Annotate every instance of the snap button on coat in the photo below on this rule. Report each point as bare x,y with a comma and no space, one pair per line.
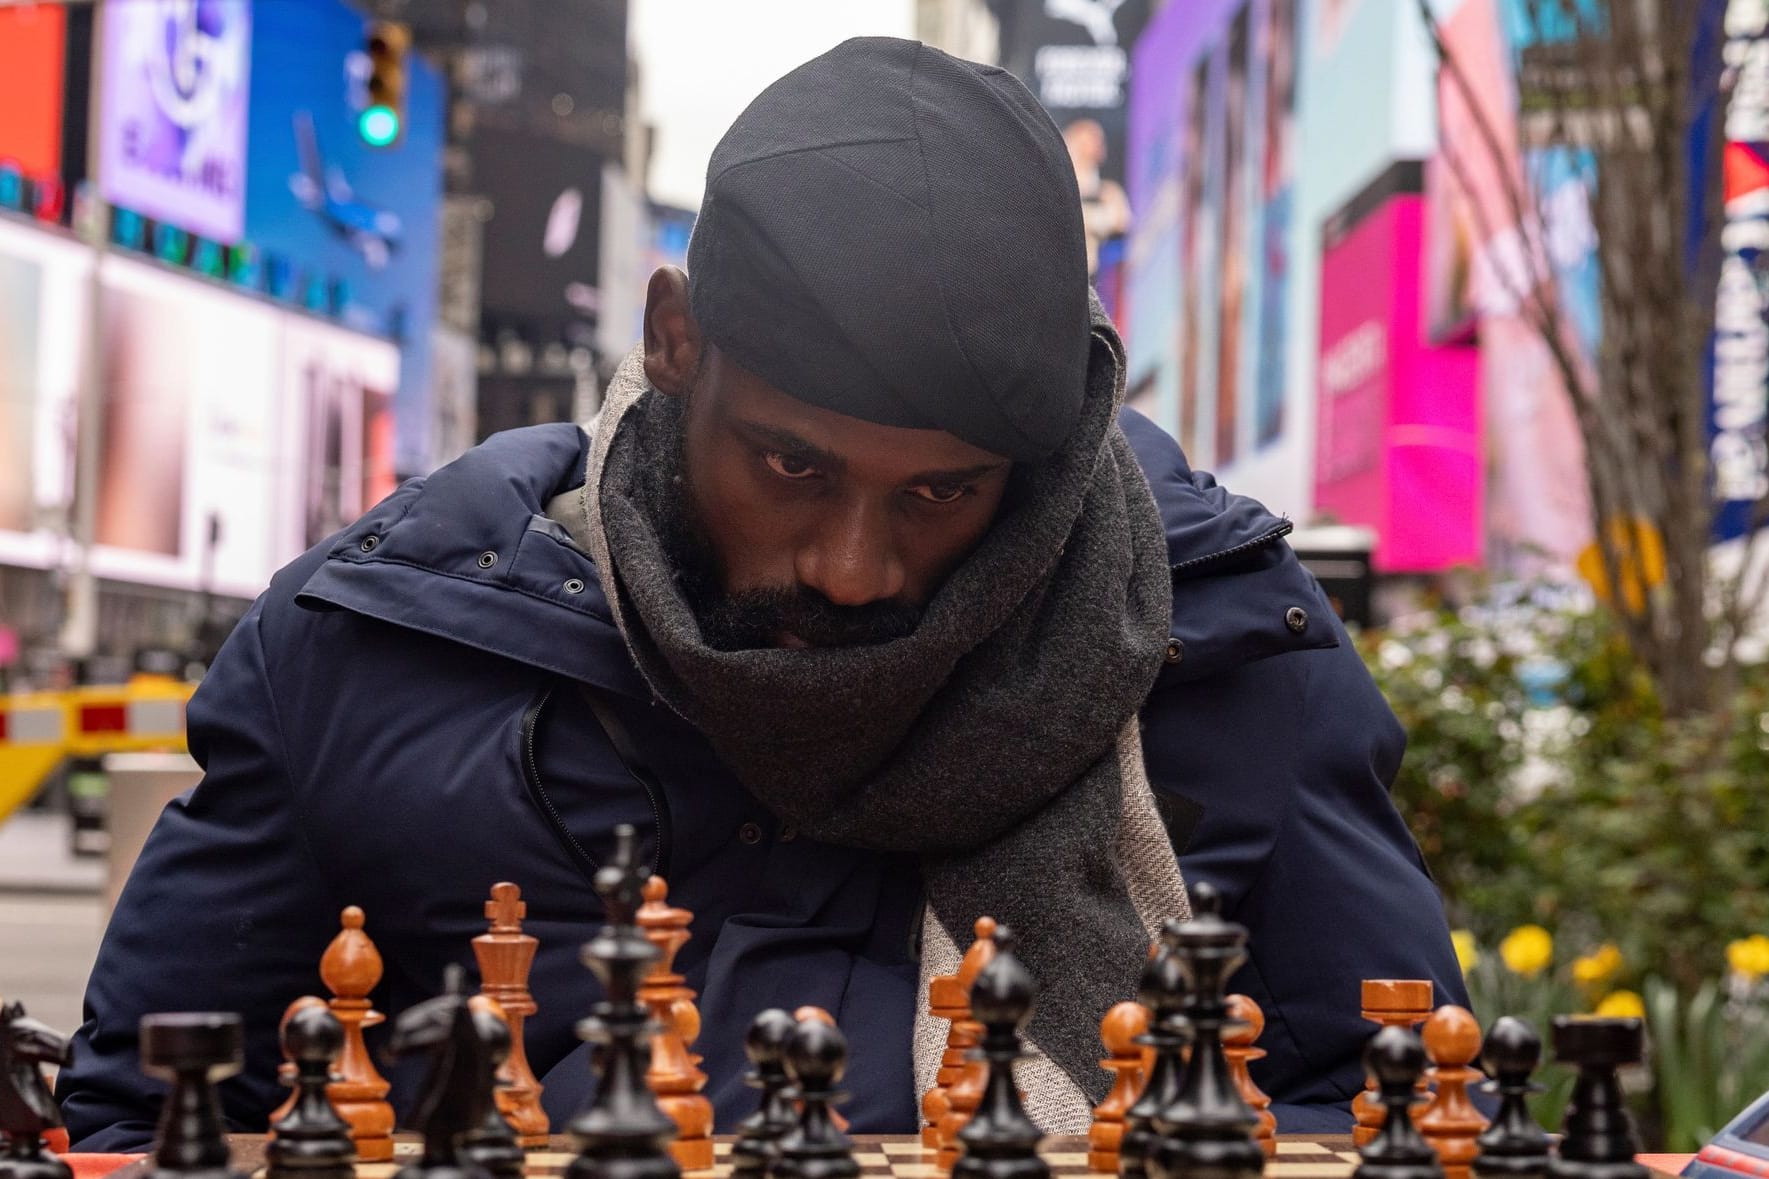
1175,651
487,560
749,833
1296,618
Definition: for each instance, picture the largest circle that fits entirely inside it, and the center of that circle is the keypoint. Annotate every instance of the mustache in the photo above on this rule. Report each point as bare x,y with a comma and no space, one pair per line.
750,619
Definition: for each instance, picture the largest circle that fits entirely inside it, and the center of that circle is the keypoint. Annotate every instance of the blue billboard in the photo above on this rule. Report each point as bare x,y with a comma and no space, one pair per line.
343,228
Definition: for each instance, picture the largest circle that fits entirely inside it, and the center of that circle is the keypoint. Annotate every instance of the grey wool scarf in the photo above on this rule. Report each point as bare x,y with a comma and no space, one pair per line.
999,740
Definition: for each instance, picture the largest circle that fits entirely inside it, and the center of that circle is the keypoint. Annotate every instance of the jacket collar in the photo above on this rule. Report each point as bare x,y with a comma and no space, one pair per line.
469,554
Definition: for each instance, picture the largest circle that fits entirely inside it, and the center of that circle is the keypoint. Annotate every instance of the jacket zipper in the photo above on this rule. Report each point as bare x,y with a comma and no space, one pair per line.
531,773
1257,542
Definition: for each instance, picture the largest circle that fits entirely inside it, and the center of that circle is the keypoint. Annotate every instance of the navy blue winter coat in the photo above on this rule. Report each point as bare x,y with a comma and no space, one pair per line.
400,721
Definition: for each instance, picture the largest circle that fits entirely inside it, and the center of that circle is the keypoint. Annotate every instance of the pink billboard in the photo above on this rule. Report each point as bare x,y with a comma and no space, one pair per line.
1398,440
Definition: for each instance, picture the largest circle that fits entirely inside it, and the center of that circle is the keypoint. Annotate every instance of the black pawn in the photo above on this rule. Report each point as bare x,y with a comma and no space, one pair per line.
194,1051
312,1141
1207,1130
1000,1141
1597,1139
816,1057
1396,1058
1162,991
1513,1146
492,1144
27,1108
622,1134
759,1135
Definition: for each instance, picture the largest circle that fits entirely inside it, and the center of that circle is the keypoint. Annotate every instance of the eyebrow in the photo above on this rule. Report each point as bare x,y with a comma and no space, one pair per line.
787,441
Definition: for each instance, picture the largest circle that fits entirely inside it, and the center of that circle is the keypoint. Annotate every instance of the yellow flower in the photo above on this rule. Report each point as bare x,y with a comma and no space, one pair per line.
1597,968
1749,956
1527,950
1621,1004
1466,953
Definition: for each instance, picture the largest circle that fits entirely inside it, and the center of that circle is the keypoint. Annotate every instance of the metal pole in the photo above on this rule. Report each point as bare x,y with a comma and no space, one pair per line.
79,633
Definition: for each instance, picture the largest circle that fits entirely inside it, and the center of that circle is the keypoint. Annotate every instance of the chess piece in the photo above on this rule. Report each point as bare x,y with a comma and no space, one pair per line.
1391,1002
622,1134
1395,1057
493,1144
1119,1032
1000,1141
288,1072
759,1135
505,955
1246,1022
966,1090
194,1051
800,1014
457,1087
350,968
1162,990
27,1108
816,1057
1514,1146
1597,1139
1451,1123
949,999
311,1140
1206,1131
672,1074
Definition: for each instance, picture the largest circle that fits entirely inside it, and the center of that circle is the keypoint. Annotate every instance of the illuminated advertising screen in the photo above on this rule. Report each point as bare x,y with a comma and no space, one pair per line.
172,138
32,46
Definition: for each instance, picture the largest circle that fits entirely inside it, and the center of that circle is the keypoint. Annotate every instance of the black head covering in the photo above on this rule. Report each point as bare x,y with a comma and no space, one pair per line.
895,234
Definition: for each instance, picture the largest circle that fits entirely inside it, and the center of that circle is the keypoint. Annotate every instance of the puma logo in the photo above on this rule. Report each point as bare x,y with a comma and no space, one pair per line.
1093,15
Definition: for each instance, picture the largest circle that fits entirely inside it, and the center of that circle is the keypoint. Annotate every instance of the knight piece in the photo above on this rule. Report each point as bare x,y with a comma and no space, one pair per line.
311,1139
1207,1131
759,1135
1001,1141
193,1051
492,1143
623,1134
1597,1139
457,1086
27,1108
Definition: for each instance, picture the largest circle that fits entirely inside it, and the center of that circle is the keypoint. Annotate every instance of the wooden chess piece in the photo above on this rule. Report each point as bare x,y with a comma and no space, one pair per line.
1396,1059
816,1057
759,1135
1118,1032
818,1015
622,1134
1391,1002
27,1107
1206,1130
457,1086
350,968
288,1072
972,1074
1162,989
194,1051
1597,1139
309,1139
492,1144
945,1000
1246,1023
1000,1141
1514,1146
672,1074
1451,1123
505,956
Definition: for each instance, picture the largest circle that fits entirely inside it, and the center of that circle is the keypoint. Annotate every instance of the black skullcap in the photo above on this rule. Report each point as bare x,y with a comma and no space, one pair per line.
895,234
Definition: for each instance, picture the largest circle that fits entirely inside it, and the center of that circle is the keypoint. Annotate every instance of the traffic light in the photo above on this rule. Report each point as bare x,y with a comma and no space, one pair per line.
381,120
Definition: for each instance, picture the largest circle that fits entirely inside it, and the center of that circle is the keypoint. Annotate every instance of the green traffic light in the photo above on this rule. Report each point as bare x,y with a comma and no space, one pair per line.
378,126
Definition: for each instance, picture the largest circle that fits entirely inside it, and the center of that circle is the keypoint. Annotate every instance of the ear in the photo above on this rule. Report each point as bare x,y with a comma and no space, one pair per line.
672,338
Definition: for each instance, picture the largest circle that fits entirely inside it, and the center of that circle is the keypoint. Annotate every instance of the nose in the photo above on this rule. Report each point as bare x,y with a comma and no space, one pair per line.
852,559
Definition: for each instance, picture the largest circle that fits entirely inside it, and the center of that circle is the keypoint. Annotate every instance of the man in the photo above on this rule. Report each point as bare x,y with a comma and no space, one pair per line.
856,601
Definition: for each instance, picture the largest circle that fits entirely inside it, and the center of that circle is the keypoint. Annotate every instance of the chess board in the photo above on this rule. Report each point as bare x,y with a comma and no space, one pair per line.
880,1157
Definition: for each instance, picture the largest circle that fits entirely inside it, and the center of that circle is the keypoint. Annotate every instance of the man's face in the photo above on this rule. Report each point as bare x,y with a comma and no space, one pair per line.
819,529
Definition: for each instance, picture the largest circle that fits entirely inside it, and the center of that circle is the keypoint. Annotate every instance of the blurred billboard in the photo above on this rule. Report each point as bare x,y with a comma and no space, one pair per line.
32,47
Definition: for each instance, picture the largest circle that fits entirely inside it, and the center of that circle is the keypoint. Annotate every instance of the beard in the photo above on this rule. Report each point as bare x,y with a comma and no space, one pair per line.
750,619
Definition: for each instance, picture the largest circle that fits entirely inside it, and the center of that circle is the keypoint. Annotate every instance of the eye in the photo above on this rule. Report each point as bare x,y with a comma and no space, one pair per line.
788,466
942,493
